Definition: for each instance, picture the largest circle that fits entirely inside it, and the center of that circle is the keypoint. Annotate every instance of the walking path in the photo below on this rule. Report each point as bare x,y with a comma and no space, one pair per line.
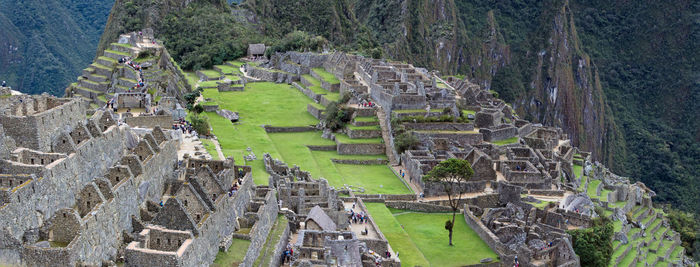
358,228
218,148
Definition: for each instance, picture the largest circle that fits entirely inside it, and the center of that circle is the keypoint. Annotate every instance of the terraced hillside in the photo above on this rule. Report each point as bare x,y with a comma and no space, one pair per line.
277,119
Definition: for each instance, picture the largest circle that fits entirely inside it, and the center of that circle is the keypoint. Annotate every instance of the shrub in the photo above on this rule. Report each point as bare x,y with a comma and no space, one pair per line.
594,245
405,141
198,109
200,123
336,117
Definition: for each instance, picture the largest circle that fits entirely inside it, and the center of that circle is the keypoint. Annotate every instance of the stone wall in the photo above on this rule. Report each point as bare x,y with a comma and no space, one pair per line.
462,138
363,134
436,188
266,219
271,75
361,162
271,129
498,133
39,130
360,149
417,206
315,111
440,126
485,234
164,121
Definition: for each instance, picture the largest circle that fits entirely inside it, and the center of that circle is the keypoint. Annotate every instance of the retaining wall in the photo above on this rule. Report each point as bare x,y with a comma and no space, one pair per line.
164,121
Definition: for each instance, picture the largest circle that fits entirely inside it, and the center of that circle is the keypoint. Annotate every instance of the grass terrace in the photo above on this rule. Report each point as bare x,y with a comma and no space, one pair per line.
326,76
344,139
234,256
211,148
508,141
366,119
592,186
227,69
404,111
421,238
123,45
260,105
372,127
236,63
212,74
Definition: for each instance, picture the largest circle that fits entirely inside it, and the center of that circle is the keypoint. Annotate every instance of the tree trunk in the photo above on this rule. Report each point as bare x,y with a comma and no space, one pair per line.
453,225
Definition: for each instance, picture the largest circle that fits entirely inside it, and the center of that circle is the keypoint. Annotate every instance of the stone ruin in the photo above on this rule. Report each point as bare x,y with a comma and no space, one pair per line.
86,191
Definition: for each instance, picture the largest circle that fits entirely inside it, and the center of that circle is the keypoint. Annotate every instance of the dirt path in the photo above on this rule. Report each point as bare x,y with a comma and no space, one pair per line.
218,149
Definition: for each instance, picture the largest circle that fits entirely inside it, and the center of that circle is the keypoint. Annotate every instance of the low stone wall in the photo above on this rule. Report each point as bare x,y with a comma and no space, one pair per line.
324,84
545,192
360,149
271,75
322,148
315,111
365,112
482,201
363,134
307,92
164,121
210,108
485,234
463,138
361,162
272,129
379,244
205,77
492,135
436,188
417,206
440,126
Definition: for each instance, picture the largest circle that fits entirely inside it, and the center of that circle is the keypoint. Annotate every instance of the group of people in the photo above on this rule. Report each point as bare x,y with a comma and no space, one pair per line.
136,67
234,188
358,218
184,126
367,104
287,254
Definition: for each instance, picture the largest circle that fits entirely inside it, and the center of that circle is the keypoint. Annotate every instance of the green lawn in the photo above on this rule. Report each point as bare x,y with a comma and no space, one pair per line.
209,84
466,112
345,139
192,79
261,104
592,185
372,127
508,141
234,256
211,148
326,76
226,69
235,63
578,170
399,240
426,233
211,73
366,119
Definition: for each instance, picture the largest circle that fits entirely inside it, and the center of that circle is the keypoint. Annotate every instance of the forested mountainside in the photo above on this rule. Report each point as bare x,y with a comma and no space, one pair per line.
45,44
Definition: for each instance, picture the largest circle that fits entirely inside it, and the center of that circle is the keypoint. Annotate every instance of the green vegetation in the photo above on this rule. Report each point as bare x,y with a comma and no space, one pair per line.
52,41
592,188
260,105
508,141
226,69
272,239
405,141
686,225
235,254
344,139
578,170
451,173
336,116
326,76
366,119
594,245
211,148
211,74
413,235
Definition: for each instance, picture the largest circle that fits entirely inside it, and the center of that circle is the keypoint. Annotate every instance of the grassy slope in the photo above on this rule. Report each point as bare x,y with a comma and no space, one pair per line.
210,147
423,240
234,255
260,104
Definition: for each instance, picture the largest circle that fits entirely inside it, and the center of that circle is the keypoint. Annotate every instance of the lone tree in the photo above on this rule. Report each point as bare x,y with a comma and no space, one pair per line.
451,174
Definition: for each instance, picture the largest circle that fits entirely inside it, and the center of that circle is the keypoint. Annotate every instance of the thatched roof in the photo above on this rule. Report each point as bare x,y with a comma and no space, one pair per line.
321,218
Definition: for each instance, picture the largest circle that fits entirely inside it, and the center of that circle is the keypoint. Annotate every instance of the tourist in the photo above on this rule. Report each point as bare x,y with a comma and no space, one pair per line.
161,203
4,84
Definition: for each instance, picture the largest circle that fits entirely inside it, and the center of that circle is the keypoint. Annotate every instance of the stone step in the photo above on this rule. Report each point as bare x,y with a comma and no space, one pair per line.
97,78
87,71
124,48
116,54
102,69
106,61
99,87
